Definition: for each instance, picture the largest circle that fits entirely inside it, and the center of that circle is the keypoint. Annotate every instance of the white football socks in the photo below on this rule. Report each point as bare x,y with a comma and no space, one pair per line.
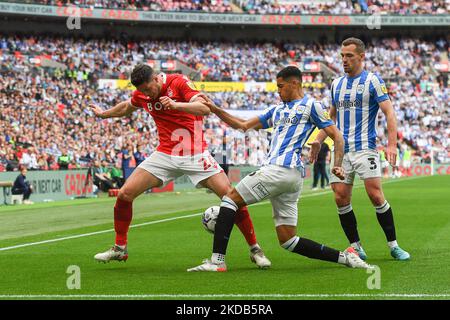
218,258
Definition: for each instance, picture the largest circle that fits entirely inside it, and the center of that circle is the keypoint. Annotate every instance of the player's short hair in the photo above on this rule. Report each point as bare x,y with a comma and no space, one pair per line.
141,73
360,46
290,72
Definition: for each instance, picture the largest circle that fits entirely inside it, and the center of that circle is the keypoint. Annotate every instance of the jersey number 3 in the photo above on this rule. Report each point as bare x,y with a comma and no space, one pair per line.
373,164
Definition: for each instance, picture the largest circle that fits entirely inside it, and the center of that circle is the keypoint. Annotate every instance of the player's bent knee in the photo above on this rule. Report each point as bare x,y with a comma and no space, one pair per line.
377,199
285,233
236,197
126,195
341,199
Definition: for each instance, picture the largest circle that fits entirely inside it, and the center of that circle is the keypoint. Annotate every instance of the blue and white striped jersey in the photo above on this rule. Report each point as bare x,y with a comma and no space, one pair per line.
356,100
293,122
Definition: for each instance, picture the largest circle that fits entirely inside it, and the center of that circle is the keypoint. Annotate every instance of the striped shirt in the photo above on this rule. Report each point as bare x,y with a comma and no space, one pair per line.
356,100
293,122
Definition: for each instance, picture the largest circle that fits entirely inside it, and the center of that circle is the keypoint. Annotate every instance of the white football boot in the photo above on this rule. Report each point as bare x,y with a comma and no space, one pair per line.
354,261
209,266
257,256
115,253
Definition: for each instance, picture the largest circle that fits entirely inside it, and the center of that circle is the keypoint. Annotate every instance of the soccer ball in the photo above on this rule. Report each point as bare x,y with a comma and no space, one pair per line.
209,218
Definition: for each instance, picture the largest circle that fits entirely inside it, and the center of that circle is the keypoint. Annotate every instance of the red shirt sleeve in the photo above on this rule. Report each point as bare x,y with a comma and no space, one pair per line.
186,88
138,99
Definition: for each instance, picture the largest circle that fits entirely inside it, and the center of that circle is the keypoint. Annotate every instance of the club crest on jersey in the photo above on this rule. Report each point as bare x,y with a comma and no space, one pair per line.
360,89
300,108
169,93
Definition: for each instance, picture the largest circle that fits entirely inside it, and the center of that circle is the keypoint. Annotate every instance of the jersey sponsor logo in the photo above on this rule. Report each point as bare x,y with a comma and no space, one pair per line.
360,89
157,106
288,121
347,105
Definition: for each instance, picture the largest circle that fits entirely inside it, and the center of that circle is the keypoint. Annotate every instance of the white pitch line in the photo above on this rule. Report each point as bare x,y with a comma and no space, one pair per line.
275,295
95,233
166,220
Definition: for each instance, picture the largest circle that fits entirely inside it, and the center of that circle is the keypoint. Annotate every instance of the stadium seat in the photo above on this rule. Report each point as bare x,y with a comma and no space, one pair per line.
16,199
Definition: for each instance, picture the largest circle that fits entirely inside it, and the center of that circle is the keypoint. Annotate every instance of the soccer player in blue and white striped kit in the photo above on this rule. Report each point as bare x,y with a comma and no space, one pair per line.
355,100
280,179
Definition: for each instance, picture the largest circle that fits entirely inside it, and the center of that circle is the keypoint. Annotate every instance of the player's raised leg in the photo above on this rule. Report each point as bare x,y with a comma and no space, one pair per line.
385,217
220,185
289,240
139,181
342,197
285,216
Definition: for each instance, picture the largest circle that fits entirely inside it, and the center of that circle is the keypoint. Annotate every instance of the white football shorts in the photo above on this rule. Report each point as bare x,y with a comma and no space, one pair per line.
279,184
365,163
167,167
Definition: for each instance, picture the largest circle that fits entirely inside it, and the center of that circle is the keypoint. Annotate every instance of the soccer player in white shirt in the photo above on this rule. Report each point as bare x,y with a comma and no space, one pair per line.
356,98
280,179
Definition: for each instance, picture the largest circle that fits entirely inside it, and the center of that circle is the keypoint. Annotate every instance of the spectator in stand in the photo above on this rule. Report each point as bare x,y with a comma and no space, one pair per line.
64,159
22,186
101,178
139,155
116,175
127,161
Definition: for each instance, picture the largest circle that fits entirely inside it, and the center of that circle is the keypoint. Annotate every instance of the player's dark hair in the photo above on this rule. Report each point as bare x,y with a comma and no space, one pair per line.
141,73
360,46
290,72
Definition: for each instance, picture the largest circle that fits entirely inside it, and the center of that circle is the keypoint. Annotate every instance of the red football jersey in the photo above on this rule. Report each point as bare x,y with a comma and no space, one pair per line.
180,133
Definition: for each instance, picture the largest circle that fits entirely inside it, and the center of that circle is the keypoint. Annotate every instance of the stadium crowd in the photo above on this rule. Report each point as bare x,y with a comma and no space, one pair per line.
95,59
269,6
346,7
46,122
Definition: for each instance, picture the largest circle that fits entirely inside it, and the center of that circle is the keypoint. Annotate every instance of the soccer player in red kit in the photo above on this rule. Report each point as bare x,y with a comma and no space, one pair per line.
178,110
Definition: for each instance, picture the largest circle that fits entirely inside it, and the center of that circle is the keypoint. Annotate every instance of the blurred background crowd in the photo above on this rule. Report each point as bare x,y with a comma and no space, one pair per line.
46,123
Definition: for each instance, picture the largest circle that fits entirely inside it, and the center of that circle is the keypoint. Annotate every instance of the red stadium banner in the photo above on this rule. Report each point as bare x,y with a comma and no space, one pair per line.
228,18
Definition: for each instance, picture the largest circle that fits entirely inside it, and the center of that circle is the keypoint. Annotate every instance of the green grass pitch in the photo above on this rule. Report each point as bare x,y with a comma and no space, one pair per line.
160,252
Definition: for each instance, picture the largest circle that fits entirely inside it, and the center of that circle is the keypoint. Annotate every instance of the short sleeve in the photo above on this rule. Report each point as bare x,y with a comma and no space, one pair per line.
319,116
186,88
266,118
379,89
138,99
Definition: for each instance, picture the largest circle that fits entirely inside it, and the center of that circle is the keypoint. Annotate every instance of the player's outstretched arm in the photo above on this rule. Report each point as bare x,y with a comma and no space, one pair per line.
122,109
197,107
336,136
233,121
391,150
